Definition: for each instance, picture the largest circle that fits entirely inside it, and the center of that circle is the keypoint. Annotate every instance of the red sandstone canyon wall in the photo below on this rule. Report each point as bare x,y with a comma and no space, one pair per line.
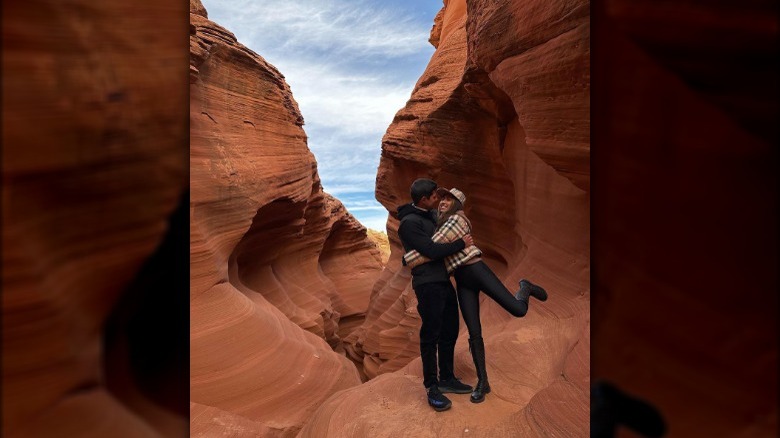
94,161
279,269
502,113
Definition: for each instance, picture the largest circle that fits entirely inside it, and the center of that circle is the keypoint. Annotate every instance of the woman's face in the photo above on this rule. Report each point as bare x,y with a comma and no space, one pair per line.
446,203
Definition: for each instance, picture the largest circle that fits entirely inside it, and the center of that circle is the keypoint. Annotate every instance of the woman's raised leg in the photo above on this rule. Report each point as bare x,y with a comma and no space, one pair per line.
495,289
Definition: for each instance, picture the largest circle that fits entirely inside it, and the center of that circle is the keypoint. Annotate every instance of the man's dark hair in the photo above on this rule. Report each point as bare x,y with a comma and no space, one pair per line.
422,187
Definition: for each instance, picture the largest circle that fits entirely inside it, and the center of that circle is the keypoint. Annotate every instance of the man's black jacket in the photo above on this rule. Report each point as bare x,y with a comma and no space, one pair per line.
416,228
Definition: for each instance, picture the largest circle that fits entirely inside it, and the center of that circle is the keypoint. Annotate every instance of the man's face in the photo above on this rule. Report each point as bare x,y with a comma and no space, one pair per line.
430,202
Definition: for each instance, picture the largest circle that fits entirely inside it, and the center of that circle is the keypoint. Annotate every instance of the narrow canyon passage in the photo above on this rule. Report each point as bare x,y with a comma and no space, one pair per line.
290,298
134,169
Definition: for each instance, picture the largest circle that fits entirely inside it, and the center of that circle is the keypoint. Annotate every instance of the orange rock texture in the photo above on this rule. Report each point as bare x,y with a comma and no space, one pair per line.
94,160
502,113
278,267
382,242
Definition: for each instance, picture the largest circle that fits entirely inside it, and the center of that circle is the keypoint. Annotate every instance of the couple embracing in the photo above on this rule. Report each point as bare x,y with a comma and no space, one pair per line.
436,235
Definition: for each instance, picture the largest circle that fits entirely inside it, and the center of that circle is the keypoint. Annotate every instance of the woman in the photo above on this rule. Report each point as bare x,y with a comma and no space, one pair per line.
472,276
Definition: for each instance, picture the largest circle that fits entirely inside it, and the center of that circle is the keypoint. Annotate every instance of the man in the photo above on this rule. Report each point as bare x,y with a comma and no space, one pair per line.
436,298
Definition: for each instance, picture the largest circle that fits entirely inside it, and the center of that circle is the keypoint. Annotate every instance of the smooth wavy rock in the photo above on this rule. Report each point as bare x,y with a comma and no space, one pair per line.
502,113
276,263
94,157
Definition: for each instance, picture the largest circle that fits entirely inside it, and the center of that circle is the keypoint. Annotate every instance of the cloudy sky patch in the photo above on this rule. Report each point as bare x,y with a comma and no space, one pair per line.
351,65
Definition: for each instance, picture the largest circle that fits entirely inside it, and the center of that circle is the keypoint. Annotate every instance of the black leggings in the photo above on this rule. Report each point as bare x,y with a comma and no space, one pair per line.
472,279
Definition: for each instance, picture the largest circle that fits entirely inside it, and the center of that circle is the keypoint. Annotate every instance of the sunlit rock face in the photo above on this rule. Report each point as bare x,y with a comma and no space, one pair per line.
94,162
277,265
502,113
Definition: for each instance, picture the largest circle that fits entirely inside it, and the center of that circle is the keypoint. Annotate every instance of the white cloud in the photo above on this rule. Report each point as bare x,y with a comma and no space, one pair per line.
363,205
351,65
345,28
332,96
367,208
339,190
334,56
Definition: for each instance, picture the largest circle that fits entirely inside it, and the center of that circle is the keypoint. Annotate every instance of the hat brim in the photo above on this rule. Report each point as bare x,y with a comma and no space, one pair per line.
445,192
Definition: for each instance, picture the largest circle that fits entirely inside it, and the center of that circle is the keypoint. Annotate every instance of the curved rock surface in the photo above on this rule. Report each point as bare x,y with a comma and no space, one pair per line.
94,158
278,267
502,113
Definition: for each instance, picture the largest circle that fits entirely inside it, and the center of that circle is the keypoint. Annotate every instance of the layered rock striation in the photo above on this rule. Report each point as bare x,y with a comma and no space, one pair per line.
94,162
502,113
277,265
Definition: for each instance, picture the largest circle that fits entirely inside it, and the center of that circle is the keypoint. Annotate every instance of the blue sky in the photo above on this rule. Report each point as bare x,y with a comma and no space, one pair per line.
351,65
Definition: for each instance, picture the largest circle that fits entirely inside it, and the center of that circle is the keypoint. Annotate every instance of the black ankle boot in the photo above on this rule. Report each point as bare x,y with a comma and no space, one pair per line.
529,289
478,354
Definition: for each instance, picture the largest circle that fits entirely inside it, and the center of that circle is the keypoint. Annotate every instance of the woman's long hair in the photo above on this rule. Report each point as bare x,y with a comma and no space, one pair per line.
444,215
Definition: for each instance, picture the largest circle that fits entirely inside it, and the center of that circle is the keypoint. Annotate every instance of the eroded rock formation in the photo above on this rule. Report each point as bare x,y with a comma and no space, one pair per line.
277,265
94,159
502,113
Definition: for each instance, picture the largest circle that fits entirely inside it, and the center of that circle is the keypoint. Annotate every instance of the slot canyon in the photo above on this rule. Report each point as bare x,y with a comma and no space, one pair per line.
238,298
298,328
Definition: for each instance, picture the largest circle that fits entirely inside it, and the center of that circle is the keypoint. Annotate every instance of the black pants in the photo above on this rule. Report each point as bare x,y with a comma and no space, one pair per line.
472,279
438,309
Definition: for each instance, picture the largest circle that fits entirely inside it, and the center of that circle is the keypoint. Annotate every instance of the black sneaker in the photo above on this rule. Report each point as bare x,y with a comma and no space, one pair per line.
437,400
454,386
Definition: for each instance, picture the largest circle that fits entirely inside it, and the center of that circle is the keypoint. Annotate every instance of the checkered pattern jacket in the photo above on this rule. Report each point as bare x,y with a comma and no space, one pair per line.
453,229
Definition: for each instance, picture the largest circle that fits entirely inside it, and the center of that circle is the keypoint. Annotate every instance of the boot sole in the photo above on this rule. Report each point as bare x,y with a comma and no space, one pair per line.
455,391
441,409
